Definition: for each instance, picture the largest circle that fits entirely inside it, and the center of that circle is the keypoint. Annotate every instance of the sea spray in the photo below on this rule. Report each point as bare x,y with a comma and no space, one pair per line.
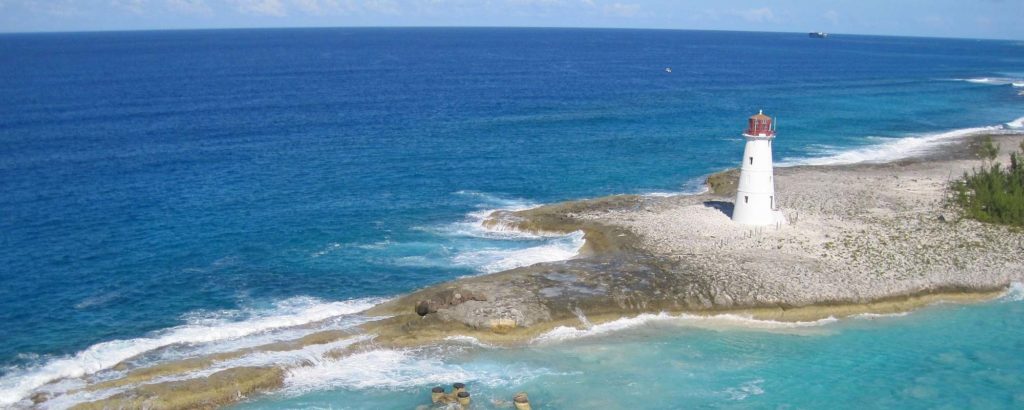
1015,293
402,369
727,320
309,355
496,260
486,246
993,80
870,315
18,384
904,147
467,340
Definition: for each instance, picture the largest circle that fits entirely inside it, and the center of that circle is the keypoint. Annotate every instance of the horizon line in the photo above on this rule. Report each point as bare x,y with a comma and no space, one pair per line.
477,27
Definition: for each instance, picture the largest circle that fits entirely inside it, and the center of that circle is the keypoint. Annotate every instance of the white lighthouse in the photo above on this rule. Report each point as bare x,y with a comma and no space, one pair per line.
755,196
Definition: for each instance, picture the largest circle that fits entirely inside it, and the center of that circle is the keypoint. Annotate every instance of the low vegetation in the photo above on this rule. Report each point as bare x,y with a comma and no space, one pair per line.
993,193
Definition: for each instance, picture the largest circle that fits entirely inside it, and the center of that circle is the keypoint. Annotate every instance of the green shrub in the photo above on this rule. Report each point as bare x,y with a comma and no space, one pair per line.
993,193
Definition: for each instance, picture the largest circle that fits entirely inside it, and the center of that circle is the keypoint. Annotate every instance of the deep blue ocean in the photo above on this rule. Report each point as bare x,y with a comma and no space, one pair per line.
167,191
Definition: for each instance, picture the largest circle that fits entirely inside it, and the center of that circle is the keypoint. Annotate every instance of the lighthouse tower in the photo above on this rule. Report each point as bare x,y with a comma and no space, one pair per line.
755,196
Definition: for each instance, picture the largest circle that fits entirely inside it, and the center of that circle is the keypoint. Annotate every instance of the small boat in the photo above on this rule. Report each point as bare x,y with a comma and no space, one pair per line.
668,70
817,34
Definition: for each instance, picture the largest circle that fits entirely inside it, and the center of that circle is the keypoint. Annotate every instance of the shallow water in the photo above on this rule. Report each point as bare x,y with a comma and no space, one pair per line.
945,356
239,181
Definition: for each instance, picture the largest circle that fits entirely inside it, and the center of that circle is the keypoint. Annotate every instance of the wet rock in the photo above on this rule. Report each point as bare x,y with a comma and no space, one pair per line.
446,298
39,397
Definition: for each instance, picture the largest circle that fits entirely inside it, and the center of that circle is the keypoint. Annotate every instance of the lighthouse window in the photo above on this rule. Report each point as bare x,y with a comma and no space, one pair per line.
746,199
751,160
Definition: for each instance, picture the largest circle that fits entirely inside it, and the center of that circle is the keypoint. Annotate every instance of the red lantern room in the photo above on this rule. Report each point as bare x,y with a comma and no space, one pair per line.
760,124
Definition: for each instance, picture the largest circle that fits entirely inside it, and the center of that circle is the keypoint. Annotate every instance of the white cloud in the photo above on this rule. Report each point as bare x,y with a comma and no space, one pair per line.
309,6
196,7
622,10
273,8
759,15
57,8
381,6
134,6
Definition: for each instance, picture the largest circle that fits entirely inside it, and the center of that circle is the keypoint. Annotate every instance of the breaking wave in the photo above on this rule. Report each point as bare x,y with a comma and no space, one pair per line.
565,333
994,81
199,329
870,315
488,248
1015,293
401,369
497,260
900,148
473,224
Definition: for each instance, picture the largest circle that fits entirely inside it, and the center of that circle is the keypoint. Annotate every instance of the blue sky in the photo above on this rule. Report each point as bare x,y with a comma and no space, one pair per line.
943,18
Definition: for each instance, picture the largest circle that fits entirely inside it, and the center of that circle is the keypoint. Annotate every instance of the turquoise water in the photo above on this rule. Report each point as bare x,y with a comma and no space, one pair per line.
167,194
945,356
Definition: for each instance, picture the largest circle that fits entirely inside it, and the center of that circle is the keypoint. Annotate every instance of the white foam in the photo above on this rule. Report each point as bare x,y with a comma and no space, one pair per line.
486,200
892,149
750,388
473,227
400,369
554,246
694,186
473,224
564,333
1018,84
331,247
179,352
992,80
484,257
67,401
663,194
297,311
870,315
305,356
497,260
467,340
1015,293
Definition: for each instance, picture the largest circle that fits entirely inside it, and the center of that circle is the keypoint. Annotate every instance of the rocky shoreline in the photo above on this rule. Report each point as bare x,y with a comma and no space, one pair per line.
865,238
860,238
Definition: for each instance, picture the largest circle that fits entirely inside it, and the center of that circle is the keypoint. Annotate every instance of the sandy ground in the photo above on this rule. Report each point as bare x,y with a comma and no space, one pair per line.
854,234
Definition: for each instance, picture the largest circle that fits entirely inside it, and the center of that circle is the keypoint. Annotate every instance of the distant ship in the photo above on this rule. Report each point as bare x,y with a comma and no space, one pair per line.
817,34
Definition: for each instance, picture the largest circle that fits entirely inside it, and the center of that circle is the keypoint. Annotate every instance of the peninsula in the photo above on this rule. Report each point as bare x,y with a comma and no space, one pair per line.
873,237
